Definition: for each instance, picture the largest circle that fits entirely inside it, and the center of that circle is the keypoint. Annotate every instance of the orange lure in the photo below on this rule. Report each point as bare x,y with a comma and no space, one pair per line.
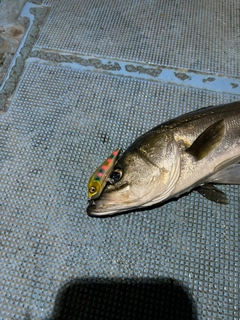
99,179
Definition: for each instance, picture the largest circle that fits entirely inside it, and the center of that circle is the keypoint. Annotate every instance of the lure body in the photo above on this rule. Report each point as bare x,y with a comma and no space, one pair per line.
100,177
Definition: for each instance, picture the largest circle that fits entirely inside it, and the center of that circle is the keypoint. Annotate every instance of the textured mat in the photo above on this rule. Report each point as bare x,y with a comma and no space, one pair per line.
58,263
198,35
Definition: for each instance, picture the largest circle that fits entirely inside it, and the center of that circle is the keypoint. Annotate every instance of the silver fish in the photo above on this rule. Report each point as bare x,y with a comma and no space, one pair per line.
195,150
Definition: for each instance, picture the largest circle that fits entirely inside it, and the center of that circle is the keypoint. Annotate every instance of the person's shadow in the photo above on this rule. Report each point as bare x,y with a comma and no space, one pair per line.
142,299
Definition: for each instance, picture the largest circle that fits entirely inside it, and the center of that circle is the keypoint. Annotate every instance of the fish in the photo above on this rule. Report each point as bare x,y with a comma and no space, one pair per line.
100,177
196,150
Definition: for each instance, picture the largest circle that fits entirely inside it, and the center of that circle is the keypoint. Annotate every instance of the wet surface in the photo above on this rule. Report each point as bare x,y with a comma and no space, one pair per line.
10,37
14,58
210,79
87,78
182,76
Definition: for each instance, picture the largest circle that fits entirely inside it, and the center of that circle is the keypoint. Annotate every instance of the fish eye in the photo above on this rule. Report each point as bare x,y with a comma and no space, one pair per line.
116,175
92,189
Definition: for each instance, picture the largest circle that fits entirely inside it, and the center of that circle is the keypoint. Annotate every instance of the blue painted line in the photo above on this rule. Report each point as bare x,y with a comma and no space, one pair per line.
206,81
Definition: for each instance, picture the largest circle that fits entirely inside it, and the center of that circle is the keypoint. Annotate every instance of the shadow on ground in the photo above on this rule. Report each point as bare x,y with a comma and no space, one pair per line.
115,299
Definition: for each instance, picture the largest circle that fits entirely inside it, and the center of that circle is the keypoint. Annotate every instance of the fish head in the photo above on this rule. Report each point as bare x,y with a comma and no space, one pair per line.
144,175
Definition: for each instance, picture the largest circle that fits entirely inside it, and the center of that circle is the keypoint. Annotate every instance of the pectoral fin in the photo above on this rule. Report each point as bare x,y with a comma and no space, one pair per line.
208,140
212,193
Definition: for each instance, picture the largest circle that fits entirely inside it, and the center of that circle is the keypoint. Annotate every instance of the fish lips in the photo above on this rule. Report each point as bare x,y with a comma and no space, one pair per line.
94,210
90,208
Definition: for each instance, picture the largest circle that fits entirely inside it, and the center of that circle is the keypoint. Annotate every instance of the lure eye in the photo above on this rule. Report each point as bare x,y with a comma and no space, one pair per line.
116,175
92,189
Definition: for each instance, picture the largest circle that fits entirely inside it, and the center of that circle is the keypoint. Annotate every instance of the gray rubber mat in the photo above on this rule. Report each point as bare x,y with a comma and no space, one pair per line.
97,75
198,35
179,261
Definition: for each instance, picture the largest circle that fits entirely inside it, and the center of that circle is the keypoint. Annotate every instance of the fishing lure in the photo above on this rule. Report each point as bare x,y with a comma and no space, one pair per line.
100,177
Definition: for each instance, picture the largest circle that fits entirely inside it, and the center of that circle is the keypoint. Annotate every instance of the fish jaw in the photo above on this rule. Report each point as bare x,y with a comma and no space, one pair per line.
145,182
132,198
106,207
115,202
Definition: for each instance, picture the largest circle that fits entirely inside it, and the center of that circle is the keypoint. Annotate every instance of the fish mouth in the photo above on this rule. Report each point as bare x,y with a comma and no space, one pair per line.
90,208
112,204
123,199
93,210
99,208
109,203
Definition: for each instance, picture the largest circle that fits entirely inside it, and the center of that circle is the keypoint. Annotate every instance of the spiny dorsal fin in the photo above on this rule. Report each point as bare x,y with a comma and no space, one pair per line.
212,193
208,140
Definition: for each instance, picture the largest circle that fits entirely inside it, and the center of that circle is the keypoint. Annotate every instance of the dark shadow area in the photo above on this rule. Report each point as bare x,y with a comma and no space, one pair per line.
129,299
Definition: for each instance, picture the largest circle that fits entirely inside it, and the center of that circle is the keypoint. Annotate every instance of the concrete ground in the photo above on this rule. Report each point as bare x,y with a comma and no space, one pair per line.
79,79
